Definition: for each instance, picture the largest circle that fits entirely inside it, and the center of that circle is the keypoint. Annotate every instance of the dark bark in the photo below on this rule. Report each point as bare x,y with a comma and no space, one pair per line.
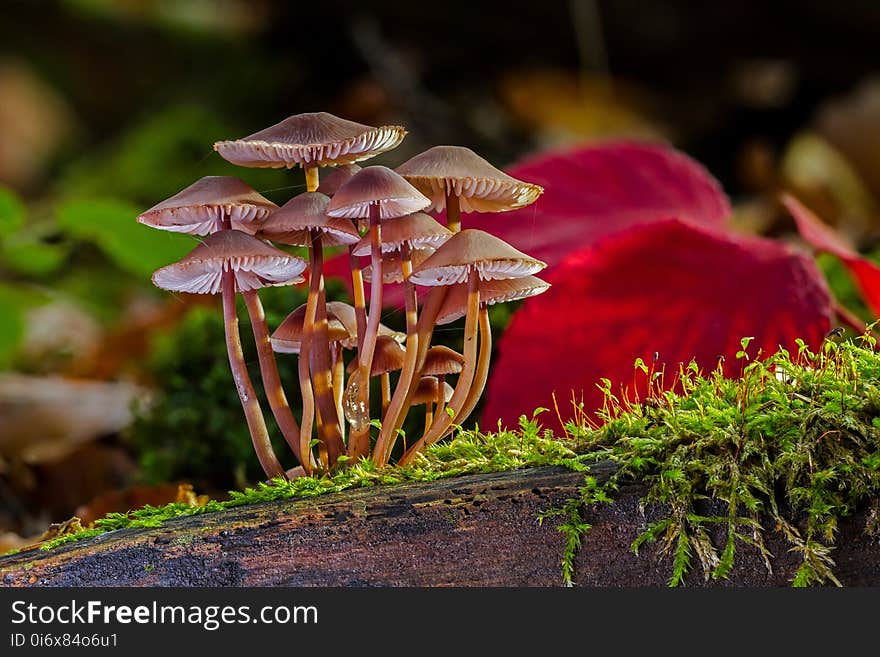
477,530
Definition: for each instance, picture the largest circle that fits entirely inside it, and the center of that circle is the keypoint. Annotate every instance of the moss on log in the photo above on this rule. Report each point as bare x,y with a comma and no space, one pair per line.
474,530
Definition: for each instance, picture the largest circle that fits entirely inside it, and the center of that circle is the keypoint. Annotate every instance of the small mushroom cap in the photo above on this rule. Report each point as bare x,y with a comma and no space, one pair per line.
293,221
311,139
428,391
331,183
491,292
388,357
346,314
418,229
200,208
287,338
442,360
493,258
479,186
392,265
376,185
255,264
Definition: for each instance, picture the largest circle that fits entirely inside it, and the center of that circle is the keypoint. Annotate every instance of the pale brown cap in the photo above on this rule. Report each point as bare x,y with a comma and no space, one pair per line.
287,338
255,264
493,258
479,186
291,223
428,389
388,357
442,360
331,183
200,208
392,265
376,185
418,229
346,314
491,292
312,139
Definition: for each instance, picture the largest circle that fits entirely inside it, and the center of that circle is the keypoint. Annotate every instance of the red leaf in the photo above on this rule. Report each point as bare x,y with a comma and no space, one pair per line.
595,190
669,287
823,238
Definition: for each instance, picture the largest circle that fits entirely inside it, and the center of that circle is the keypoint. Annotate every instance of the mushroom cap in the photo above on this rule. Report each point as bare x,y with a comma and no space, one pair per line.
311,139
418,229
493,258
491,292
442,360
388,357
255,264
293,221
346,314
200,208
287,338
333,181
376,185
428,389
479,186
392,265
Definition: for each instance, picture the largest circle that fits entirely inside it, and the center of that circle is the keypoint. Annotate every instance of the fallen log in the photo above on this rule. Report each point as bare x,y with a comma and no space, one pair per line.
475,530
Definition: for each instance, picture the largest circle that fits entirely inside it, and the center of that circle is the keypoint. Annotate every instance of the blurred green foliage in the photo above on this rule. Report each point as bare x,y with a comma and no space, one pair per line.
195,428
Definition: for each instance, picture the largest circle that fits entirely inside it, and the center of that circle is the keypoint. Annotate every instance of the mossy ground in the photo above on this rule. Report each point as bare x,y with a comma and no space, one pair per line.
795,439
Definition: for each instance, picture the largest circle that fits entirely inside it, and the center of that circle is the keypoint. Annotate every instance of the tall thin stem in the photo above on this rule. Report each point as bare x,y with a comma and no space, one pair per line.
465,379
453,212
319,355
483,362
269,371
388,434
246,393
338,384
359,443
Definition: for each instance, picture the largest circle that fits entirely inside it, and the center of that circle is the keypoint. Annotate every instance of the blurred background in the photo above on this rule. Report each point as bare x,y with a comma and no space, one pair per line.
112,393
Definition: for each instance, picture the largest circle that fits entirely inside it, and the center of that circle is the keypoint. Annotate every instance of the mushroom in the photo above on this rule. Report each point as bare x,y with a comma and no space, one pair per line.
378,193
216,203
428,392
392,266
210,204
441,361
491,292
458,179
467,257
333,181
303,221
227,262
402,236
389,357
311,140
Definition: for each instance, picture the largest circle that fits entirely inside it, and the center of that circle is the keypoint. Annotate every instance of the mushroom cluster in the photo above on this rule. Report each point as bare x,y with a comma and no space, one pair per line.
379,214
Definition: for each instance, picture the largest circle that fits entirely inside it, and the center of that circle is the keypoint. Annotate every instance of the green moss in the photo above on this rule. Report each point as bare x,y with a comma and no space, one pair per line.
795,440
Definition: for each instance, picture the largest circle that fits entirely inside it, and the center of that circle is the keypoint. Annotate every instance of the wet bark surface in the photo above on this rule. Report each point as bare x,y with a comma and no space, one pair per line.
475,530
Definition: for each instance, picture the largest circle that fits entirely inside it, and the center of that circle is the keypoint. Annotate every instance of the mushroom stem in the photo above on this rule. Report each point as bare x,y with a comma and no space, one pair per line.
463,385
441,400
400,401
305,387
253,414
429,414
453,212
360,301
319,355
424,330
311,179
359,443
338,384
386,391
269,371
482,373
